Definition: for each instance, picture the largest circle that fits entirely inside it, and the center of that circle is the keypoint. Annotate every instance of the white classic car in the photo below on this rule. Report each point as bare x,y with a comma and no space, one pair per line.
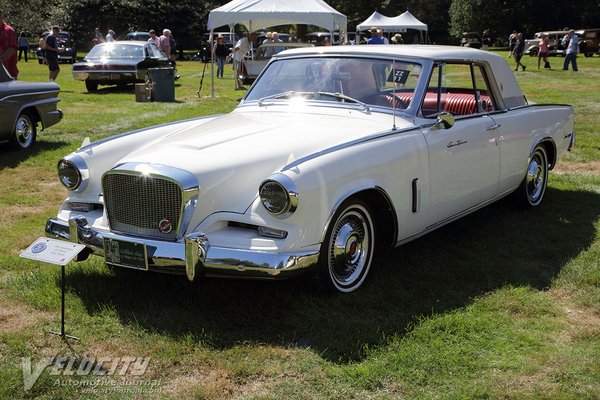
332,151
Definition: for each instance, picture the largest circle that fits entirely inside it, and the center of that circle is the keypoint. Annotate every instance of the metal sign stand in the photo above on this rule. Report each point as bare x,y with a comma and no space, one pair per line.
55,251
62,333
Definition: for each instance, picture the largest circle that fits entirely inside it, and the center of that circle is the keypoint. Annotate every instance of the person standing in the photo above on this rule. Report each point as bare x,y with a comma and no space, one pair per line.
23,46
518,51
164,42
239,51
98,37
8,47
220,52
512,41
543,52
375,37
572,45
153,38
52,51
110,36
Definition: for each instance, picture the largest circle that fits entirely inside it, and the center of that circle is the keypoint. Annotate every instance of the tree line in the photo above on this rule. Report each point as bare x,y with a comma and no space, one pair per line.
187,19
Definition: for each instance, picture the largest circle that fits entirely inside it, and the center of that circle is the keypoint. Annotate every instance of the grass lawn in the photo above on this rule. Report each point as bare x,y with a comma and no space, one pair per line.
501,304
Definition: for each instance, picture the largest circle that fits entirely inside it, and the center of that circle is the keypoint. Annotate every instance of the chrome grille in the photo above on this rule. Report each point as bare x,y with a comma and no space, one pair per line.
136,205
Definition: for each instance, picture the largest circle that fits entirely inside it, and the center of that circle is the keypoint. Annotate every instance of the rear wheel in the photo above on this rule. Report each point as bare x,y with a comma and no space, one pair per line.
531,191
347,251
91,86
25,131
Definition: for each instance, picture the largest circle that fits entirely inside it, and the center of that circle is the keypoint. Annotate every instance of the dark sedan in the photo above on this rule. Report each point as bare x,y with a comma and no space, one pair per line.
118,63
23,105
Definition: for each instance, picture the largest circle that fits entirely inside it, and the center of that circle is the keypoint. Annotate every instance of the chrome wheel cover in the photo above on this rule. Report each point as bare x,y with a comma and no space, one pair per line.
350,248
536,177
24,131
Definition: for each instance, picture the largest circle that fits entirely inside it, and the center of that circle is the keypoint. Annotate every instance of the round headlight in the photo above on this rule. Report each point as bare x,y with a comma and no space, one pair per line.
274,197
69,174
278,195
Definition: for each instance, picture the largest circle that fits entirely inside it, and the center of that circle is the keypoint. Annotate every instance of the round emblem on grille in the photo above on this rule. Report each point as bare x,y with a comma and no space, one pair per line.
165,226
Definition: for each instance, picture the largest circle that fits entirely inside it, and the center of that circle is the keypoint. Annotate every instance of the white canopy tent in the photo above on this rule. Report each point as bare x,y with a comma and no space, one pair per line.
400,23
258,14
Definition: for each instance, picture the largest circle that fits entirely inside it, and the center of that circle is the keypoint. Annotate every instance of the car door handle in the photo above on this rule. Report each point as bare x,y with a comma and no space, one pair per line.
493,127
457,143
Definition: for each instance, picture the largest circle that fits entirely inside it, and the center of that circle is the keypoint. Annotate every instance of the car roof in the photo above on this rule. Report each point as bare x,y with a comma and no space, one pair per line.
509,87
428,52
129,42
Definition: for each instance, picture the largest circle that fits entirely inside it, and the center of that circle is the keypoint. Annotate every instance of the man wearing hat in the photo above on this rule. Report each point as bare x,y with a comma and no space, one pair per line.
397,39
375,37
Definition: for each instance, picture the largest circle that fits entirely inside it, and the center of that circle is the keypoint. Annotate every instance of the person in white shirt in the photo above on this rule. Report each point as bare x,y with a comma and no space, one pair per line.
153,38
571,43
239,51
110,36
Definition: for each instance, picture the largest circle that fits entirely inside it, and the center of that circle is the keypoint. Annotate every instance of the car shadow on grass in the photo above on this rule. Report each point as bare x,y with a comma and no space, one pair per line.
443,271
11,157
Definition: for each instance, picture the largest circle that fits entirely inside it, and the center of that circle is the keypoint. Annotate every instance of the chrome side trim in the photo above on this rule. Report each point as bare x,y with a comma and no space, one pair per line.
571,141
193,256
53,91
346,145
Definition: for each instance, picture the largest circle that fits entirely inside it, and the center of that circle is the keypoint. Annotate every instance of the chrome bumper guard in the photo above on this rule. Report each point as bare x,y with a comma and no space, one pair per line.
193,257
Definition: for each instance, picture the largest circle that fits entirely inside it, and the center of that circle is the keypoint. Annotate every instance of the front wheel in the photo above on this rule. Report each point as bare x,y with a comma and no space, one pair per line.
25,131
91,86
347,251
531,191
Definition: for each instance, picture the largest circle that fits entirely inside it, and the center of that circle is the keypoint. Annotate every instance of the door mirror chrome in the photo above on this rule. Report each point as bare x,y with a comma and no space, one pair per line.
444,120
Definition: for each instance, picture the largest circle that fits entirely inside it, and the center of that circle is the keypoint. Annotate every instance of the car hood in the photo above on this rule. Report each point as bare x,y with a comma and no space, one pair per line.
232,154
12,88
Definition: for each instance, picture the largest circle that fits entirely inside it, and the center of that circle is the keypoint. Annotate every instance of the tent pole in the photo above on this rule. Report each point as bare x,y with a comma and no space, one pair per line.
212,65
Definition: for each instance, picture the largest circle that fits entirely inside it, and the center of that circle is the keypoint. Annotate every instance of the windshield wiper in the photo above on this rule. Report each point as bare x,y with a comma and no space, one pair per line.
289,93
345,98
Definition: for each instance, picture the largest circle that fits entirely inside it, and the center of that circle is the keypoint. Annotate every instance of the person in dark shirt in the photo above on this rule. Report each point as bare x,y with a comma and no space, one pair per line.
518,51
221,51
52,51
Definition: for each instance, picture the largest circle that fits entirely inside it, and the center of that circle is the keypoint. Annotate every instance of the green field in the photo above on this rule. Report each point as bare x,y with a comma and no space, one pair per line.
502,304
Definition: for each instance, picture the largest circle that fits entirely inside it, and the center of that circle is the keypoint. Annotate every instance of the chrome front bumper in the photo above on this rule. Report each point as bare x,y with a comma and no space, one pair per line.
194,257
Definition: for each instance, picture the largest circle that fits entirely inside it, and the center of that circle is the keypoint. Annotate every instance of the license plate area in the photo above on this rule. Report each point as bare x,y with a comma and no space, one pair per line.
126,254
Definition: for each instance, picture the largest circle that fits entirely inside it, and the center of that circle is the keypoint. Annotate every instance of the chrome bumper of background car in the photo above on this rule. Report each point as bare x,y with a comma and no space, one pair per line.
193,257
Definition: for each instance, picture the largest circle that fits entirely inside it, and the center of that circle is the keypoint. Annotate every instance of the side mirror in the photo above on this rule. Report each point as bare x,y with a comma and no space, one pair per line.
444,120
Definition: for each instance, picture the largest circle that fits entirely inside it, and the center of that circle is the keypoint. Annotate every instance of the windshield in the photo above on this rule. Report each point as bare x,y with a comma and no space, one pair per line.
116,51
371,81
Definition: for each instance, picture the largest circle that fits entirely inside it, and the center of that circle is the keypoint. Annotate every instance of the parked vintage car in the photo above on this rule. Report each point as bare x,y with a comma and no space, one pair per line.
24,105
332,151
589,41
555,46
118,63
262,55
137,36
471,39
65,43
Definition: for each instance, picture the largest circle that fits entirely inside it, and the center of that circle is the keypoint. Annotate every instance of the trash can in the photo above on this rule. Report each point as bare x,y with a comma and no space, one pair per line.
163,83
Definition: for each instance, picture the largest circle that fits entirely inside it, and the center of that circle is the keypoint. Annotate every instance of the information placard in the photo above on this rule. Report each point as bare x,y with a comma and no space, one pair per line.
52,251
